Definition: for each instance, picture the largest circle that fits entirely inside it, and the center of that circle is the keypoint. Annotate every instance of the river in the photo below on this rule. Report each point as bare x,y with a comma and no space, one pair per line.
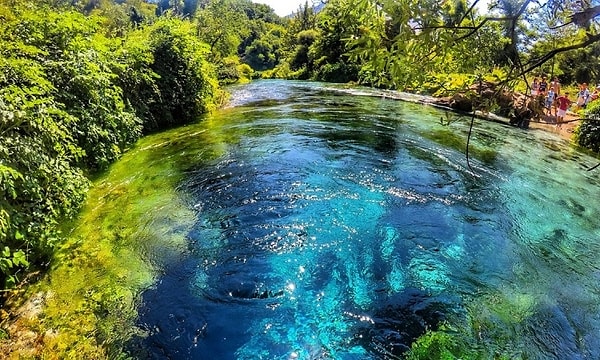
318,221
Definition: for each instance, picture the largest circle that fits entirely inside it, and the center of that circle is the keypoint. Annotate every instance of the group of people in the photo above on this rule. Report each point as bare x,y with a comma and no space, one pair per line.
550,97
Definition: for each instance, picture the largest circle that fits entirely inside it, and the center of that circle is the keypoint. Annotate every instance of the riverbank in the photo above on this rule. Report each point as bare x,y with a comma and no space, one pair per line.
546,123
565,131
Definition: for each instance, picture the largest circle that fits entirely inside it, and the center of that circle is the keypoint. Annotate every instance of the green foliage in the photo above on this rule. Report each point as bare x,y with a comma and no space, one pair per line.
38,151
402,46
282,71
300,58
228,70
437,345
304,19
72,100
339,72
260,12
186,82
440,84
588,132
339,21
581,66
78,63
222,24
246,72
10,260
264,52
231,71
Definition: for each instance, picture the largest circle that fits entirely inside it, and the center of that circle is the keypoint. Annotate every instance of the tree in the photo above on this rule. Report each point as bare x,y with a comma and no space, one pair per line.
73,98
181,82
426,37
265,51
222,26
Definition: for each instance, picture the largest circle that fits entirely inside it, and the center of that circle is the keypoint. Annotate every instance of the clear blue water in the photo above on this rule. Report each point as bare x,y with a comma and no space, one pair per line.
337,224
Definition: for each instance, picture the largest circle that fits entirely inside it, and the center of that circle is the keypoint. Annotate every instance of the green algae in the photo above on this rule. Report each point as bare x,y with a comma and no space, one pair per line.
133,223
451,139
438,345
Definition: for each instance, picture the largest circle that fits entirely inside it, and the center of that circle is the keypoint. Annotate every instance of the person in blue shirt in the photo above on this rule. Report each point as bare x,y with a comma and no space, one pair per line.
550,100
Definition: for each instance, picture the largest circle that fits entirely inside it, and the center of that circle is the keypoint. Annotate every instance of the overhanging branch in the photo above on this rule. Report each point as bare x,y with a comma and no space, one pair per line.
582,18
550,54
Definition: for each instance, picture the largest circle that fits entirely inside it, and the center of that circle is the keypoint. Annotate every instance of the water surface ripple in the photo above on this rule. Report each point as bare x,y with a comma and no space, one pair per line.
335,225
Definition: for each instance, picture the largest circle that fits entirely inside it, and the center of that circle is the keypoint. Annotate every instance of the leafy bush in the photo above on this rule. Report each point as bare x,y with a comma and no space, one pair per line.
246,72
280,72
186,82
78,63
265,52
230,71
72,100
588,133
339,72
446,84
38,184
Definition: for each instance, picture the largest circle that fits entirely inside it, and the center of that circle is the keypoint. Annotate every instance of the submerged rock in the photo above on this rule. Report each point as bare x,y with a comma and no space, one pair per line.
400,320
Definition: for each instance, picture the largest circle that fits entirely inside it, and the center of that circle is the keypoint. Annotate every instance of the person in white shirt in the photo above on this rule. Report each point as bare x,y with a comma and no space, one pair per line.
583,96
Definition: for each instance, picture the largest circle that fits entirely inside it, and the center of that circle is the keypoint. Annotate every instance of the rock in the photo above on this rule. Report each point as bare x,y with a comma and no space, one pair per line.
519,108
461,102
520,112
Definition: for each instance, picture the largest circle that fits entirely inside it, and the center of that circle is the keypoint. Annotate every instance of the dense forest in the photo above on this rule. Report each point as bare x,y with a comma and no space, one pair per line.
82,80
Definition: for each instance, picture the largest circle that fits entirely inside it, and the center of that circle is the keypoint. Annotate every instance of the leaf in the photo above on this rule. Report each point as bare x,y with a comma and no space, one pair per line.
5,265
19,258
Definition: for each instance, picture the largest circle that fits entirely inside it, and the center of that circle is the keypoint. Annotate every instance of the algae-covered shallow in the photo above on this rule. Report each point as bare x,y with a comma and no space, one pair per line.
313,221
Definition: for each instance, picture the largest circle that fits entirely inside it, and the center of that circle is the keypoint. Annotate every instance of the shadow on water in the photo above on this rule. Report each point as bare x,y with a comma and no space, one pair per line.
331,226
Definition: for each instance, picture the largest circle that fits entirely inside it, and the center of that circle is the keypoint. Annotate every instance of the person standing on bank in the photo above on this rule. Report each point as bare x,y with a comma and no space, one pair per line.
543,85
563,105
583,96
535,87
550,100
596,94
556,85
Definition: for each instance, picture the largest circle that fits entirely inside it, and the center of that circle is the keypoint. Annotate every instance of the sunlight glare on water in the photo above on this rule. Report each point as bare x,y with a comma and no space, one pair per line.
344,226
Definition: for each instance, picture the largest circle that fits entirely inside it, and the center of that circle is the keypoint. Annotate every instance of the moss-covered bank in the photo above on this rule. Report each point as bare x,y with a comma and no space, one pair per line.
132,223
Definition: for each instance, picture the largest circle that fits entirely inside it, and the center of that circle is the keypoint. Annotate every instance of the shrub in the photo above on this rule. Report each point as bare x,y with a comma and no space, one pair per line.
588,132
246,72
39,183
186,82
339,72
71,101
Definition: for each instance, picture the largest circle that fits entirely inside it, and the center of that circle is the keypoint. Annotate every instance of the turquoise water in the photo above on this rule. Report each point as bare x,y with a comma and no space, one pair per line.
338,224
